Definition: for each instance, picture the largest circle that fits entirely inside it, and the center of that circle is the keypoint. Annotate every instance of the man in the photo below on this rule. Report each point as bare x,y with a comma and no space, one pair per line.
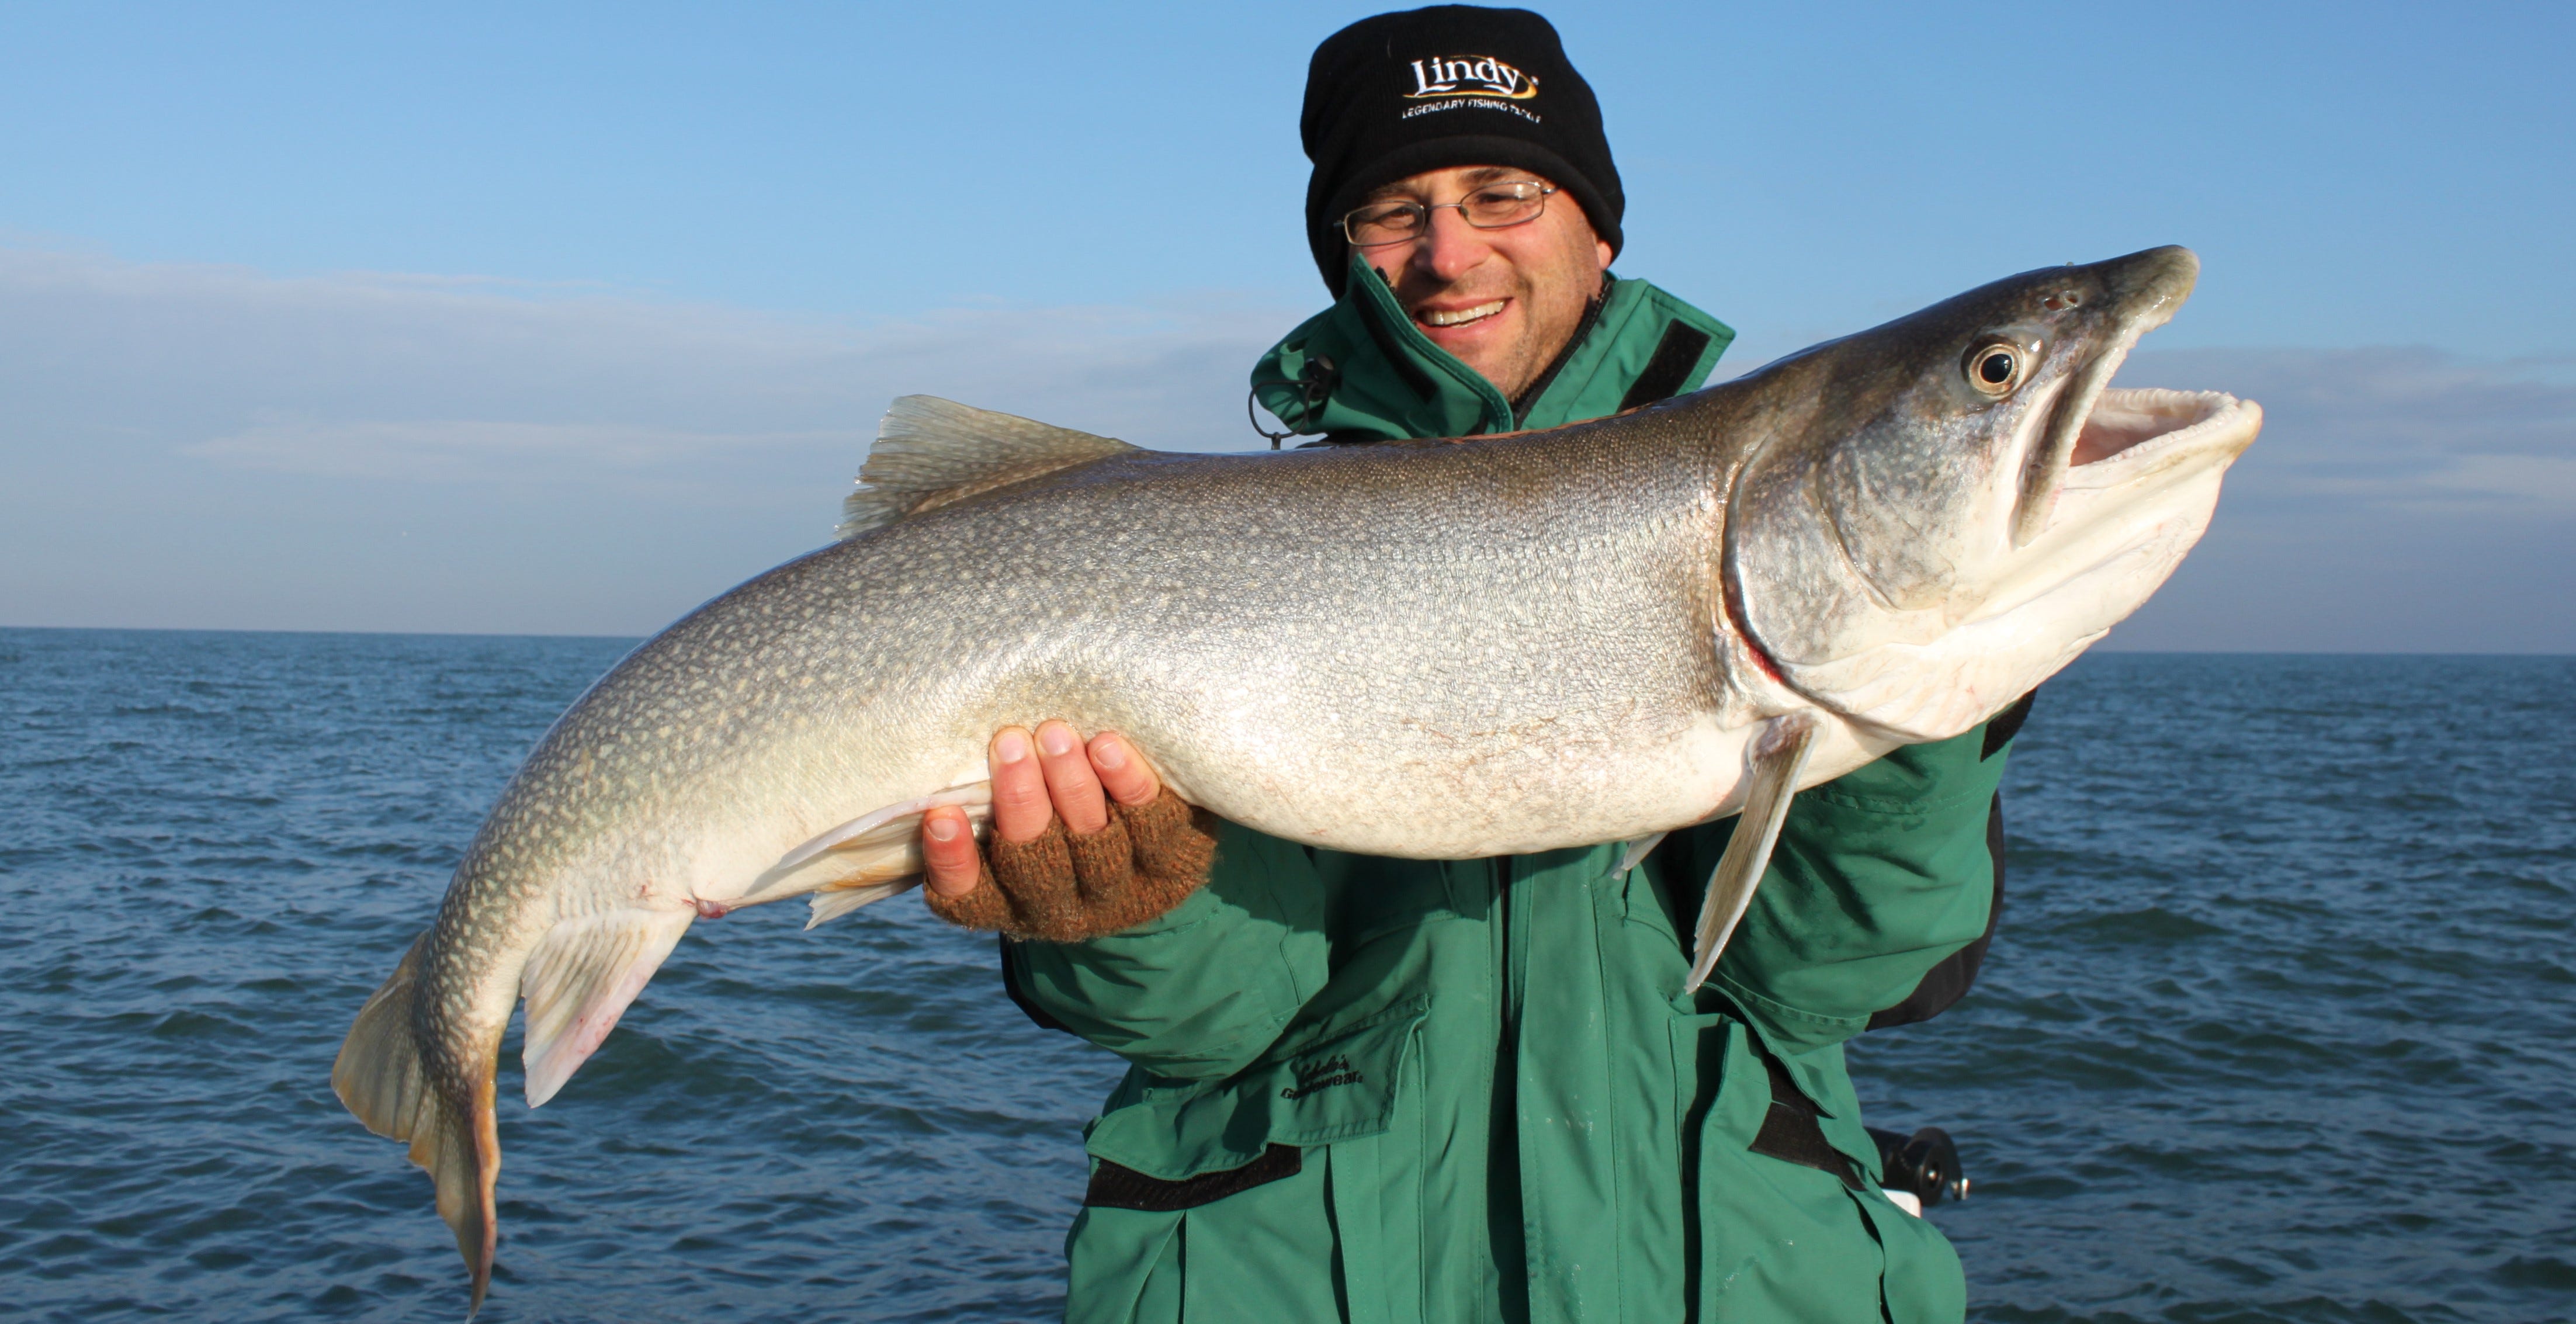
1374,1089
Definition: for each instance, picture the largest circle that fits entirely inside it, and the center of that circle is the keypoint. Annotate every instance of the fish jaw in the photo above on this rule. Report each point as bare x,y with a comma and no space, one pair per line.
2153,286
2120,526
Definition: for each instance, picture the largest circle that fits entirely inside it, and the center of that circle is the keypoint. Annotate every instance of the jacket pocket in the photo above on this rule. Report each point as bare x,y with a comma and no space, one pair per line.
1335,1088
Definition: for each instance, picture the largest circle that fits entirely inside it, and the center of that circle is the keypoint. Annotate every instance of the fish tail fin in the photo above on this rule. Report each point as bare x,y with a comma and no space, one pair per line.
383,1078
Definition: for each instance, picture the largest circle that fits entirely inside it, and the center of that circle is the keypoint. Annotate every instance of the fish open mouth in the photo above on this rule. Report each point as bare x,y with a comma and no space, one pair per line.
2129,433
2124,420
2134,462
2103,438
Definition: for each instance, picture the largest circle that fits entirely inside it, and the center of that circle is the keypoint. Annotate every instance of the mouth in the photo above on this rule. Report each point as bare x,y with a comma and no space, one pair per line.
1455,317
2129,434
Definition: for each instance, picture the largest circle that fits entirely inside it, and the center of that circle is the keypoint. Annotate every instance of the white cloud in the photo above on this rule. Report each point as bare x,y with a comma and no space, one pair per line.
478,451
192,445
2392,428
2400,499
203,446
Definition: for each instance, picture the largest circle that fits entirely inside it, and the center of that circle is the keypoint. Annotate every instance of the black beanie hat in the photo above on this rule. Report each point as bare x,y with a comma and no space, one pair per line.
1451,85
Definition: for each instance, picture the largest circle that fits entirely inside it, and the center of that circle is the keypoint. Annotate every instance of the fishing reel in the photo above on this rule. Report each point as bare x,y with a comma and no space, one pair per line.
1924,1164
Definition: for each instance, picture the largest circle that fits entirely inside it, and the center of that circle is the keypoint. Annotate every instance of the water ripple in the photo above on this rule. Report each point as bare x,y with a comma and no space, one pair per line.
2282,1026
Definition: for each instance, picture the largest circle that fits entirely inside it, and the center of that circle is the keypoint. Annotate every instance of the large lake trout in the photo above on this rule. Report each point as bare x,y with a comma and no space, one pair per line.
1441,649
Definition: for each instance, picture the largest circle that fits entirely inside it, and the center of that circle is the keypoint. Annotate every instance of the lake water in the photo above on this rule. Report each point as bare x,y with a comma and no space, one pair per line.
2281,1025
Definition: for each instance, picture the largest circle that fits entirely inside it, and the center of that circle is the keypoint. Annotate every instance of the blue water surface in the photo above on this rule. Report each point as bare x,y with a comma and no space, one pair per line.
2282,1024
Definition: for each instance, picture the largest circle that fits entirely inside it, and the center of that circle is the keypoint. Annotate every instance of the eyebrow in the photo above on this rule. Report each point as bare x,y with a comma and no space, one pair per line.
1479,175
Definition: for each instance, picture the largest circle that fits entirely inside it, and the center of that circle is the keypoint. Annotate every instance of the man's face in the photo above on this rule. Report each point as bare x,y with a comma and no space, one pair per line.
1503,301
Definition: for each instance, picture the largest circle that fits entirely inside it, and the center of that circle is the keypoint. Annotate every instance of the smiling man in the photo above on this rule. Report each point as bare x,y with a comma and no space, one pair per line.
1394,1090
1464,210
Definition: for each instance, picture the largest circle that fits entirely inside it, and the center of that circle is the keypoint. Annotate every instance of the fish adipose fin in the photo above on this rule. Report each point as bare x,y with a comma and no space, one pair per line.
382,1078
580,978
930,452
1779,754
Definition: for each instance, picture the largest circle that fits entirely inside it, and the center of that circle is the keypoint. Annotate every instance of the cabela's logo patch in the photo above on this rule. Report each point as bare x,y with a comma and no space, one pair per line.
1324,1075
1469,76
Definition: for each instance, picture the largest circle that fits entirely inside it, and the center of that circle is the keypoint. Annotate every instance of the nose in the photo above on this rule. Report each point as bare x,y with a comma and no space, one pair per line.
1451,248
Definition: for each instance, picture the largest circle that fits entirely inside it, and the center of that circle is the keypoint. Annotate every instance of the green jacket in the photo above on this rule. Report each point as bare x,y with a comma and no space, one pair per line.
1384,1090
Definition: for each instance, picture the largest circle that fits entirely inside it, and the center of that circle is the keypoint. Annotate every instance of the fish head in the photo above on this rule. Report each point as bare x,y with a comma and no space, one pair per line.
1949,508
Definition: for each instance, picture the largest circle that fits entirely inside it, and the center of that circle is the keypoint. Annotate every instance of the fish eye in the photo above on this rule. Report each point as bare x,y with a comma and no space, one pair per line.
1995,368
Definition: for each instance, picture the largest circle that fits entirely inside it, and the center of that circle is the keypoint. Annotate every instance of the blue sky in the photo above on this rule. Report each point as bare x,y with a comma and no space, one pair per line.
561,318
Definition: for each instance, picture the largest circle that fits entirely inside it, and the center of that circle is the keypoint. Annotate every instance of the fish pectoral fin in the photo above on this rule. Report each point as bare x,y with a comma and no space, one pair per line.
930,452
383,1078
1637,852
580,979
1778,754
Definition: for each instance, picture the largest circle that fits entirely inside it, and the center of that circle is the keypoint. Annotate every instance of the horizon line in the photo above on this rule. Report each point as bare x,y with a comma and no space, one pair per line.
639,638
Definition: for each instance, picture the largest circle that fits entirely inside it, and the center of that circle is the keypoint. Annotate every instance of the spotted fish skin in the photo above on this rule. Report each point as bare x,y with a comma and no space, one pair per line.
1440,649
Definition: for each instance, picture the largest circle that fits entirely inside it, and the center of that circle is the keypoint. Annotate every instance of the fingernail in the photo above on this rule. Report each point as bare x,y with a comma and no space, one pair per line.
942,828
1056,739
1110,754
1012,747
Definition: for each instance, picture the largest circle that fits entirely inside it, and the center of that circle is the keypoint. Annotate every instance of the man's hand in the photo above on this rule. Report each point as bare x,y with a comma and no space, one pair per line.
1085,842
1036,781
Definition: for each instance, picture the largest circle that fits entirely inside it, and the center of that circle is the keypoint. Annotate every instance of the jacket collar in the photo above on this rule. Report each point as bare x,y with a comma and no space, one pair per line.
1362,371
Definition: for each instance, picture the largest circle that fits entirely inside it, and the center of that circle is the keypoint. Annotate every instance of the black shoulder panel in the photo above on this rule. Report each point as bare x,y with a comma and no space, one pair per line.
1675,355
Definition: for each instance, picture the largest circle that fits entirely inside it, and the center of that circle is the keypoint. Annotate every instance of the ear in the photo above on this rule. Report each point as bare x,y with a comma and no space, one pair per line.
1601,253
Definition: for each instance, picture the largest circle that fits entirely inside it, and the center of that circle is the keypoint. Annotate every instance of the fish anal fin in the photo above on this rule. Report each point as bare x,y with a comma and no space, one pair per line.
580,979
931,452
1778,754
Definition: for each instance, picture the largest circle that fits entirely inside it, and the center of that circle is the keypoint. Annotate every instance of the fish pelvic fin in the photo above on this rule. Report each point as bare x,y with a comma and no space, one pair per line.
1778,755
931,452
841,898
383,1078
580,978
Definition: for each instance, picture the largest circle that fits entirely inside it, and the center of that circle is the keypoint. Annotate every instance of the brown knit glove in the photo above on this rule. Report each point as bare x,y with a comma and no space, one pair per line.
1059,887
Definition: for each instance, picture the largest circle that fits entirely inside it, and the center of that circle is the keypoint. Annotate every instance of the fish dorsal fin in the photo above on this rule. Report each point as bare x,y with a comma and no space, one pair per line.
930,452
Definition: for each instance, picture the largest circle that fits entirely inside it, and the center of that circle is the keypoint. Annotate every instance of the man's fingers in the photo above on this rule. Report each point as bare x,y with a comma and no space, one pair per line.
1069,779
950,864
1021,810
1124,775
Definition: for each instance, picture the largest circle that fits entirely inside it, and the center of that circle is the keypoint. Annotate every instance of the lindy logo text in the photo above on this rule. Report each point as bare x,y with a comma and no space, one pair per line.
1469,75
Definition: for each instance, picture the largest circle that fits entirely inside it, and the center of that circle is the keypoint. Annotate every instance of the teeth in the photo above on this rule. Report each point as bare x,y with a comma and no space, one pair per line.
1462,316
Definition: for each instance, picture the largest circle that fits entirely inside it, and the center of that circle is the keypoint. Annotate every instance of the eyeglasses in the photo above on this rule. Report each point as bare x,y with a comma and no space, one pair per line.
1489,207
